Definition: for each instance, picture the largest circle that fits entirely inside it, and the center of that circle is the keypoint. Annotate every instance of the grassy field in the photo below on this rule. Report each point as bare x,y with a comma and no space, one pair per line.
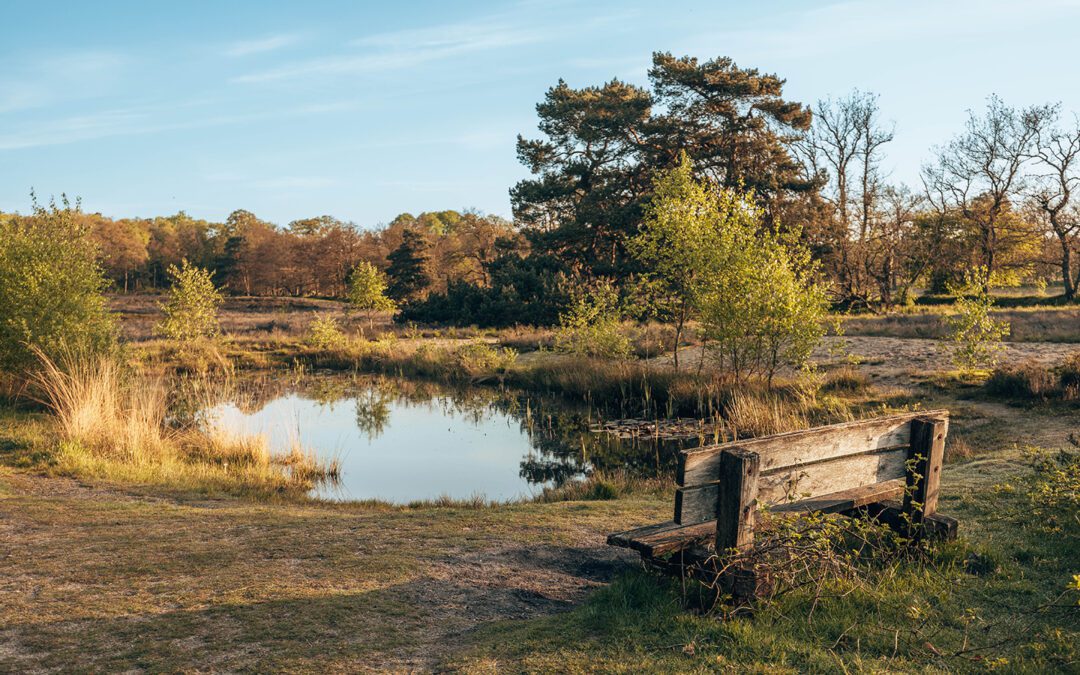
100,573
104,577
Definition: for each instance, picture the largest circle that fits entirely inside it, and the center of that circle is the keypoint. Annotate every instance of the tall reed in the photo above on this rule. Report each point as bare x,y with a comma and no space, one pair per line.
115,427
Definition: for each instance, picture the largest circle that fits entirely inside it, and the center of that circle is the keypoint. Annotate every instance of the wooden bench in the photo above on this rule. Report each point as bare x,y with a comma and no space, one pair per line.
887,468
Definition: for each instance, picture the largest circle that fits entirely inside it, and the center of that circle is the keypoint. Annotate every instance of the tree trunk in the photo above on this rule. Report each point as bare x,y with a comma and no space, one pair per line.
1066,270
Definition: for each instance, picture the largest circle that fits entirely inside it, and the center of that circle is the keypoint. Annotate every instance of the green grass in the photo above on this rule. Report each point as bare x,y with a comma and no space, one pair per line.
108,576
1001,602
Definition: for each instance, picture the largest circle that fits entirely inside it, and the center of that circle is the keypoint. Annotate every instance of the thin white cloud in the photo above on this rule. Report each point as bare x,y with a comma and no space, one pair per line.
135,121
409,48
261,45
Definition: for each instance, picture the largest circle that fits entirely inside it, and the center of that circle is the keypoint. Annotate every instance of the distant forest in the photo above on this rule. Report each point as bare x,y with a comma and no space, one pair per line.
995,204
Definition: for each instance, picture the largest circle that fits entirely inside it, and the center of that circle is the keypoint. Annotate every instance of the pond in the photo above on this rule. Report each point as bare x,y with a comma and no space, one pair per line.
400,440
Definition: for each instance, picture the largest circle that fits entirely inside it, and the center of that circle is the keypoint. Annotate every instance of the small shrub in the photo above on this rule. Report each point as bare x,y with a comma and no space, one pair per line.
324,333
367,291
1035,381
50,288
479,358
1069,372
191,312
592,326
973,336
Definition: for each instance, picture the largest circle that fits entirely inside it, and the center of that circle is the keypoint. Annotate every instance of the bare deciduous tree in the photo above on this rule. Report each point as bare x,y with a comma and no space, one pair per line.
979,174
1057,156
844,143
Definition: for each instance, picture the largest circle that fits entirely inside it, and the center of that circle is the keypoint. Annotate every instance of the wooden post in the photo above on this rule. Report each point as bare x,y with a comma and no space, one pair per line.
737,499
924,467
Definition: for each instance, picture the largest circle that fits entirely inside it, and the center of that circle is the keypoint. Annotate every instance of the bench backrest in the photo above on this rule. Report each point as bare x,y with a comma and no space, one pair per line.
801,465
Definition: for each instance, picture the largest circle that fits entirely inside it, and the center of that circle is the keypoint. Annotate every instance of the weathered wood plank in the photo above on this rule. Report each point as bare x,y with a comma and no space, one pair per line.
845,500
924,475
936,526
664,538
701,466
736,505
781,486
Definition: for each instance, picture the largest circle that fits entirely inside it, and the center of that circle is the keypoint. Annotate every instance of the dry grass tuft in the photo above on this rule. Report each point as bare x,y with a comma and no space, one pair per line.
112,427
749,414
1037,382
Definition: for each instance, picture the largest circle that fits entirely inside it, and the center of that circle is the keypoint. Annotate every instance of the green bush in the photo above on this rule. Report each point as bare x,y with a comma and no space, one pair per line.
753,290
50,288
479,358
191,312
592,326
973,336
324,333
367,290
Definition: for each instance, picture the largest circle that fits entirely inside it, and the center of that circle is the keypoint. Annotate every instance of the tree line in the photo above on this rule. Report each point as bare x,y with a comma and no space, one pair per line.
310,257
993,206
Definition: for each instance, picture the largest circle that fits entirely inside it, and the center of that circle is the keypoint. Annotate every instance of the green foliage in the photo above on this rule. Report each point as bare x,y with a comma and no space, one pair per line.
754,290
191,312
1055,493
763,310
600,144
324,333
674,244
591,326
367,290
523,290
973,337
479,358
50,288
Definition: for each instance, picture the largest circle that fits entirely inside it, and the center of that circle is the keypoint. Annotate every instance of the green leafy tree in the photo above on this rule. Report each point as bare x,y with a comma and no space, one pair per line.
367,290
51,287
753,289
973,335
761,306
408,267
191,312
674,244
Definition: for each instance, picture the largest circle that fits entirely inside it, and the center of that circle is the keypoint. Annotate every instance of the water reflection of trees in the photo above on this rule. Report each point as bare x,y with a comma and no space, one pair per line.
373,411
562,446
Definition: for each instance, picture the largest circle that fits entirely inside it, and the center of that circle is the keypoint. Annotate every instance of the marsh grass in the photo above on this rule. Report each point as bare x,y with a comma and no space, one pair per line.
111,426
1035,382
601,486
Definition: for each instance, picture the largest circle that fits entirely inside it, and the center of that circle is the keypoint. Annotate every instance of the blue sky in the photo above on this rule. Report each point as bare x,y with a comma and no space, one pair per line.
365,110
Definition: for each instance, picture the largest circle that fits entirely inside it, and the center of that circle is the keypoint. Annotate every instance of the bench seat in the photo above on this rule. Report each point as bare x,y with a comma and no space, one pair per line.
662,539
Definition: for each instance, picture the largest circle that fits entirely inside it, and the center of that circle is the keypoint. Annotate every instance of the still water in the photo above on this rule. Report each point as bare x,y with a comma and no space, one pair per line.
400,440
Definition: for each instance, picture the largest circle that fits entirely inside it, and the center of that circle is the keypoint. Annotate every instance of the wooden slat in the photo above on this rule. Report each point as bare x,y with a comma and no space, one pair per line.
924,478
936,526
669,537
736,505
701,466
846,500
780,486
664,538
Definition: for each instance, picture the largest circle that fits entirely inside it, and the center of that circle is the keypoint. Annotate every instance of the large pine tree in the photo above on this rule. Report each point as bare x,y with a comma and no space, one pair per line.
602,145
408,272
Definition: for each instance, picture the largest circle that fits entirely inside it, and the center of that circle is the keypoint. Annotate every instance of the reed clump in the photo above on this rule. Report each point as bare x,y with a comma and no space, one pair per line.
115,427
1032,382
